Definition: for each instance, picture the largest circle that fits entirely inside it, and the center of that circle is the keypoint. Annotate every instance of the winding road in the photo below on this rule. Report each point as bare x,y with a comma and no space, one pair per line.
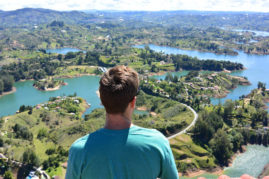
187,128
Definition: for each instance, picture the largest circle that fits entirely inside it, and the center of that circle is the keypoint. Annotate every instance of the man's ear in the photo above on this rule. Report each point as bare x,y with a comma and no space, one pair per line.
133,102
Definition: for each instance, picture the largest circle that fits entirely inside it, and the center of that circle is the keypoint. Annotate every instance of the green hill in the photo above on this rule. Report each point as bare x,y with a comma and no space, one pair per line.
32,16
189,156
50,128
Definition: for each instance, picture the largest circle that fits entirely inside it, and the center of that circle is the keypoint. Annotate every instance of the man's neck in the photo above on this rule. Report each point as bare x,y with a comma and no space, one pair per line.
117,122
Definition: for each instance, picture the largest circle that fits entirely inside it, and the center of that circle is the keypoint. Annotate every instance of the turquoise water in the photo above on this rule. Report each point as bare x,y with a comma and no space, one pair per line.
257,33
257,68
179,74
250,162
26,94
62,50
139,112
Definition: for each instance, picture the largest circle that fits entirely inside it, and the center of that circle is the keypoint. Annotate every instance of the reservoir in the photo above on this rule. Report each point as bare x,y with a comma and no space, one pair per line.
26,94
86,87
257,68
250,162
63,51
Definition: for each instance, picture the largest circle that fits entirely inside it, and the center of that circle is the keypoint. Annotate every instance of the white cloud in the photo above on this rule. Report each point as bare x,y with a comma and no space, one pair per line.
152,5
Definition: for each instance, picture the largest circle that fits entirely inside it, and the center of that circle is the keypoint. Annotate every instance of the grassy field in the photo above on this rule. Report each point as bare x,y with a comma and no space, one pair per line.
72,71
54,123
190,156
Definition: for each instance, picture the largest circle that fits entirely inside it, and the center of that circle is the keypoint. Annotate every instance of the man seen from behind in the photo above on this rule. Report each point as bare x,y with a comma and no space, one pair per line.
121,150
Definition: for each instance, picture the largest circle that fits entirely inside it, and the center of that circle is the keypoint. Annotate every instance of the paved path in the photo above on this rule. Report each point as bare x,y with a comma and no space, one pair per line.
187,128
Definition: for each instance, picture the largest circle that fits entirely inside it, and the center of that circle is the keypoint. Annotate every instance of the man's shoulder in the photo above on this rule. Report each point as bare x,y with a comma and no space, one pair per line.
146,130
79,144
152,133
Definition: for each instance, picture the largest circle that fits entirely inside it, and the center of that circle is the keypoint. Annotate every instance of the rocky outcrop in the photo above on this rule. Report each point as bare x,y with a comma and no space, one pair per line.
265,172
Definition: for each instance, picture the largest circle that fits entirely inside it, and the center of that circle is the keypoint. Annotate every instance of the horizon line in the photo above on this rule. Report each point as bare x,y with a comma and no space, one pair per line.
116,10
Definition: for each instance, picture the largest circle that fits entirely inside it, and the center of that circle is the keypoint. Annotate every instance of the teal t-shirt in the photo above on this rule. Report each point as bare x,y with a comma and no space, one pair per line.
133,153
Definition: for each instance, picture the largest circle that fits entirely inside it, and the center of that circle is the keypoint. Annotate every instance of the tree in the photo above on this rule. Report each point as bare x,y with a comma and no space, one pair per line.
206,126
30,110
22,132
261,86
22,108
42,133
1,142
8,82
8,175
1,86
30,158
228,110
169,77
237,140
221,147
93,58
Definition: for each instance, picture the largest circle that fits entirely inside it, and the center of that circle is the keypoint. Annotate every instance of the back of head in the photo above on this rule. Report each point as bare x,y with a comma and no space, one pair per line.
118,86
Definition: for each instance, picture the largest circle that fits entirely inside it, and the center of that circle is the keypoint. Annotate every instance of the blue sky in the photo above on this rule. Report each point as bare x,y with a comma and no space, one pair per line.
151,5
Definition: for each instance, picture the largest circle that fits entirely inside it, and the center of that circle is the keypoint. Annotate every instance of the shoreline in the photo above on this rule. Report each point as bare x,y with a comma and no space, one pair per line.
215,171
193,49
218,170
75,76
141,108
265,172
51,89
9,92
86,107
223,71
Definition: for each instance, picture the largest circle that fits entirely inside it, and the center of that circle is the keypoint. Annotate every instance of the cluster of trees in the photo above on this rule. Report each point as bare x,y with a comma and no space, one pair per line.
222,139
30,69
186,62
6,83
175,90
42,133
5,169
192,63
22,132
255,137
170,77
191,75
47,83
26,108
262,86
56,156
30,158
208,131
56,24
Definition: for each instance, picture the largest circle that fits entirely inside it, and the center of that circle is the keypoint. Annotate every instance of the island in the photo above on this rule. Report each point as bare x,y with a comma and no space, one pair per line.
195,88
49,84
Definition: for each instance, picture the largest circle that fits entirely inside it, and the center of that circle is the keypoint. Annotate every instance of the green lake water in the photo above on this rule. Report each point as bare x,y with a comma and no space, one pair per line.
85,87
250,162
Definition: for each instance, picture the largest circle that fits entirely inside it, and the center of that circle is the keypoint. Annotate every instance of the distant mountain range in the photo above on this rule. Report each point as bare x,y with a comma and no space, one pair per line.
203,19
31,16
